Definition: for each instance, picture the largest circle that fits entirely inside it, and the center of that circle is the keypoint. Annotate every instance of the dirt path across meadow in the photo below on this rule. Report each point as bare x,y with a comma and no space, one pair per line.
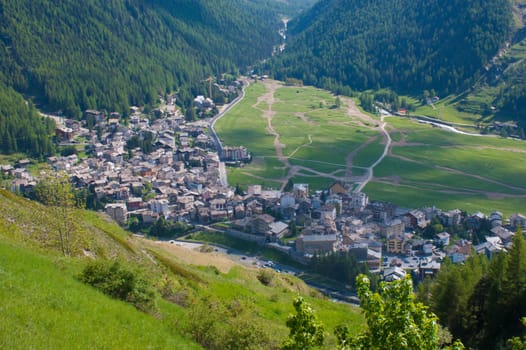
362,119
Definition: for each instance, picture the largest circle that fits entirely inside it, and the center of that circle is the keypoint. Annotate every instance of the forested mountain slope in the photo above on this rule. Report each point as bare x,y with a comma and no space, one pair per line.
408,45
21,129
75,55
502,88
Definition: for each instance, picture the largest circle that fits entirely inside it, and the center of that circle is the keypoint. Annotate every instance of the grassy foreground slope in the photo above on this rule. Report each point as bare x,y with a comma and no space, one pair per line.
201,299
45,307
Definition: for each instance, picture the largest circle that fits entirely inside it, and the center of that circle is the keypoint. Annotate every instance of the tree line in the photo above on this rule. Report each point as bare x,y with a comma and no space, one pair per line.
482,301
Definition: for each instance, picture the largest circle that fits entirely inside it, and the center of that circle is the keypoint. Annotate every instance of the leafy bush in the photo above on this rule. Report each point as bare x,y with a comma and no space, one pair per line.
120,283
265,276
219,326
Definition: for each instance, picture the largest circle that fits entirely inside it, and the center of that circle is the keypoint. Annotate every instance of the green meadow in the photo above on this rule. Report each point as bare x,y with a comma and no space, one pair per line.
425,166
312,133
430,166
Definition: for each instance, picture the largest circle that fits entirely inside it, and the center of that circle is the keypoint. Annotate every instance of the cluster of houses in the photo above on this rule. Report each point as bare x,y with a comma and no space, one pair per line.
177,177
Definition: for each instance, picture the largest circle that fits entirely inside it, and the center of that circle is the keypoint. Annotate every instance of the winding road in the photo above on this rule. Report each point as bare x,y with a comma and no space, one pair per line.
222,170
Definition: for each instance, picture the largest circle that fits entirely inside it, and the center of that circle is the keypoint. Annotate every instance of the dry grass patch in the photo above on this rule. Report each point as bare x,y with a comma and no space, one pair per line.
192,256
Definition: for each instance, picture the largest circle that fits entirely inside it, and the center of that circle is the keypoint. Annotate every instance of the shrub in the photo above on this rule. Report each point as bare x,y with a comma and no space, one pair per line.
265,276
120,283
217,326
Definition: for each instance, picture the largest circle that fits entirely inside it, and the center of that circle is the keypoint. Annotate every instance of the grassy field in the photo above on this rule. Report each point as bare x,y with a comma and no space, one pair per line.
44,306
415,196
368,154
429,166
291,128
425,166
446,109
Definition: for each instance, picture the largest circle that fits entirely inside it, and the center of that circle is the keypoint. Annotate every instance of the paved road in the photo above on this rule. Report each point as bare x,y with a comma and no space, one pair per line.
336,295
222,171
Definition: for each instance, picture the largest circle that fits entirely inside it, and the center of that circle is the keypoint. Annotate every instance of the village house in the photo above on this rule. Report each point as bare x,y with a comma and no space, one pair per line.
492,246
393,273
97,116
159,206
316,244
260,225
428,268
442,239
277,230
395,244
475,220
300,191
495,218
64,134
416,219
517,220
117,211
235,154
450,218
382,211
134,203
392,227
504,234
337,189
460,251
363,254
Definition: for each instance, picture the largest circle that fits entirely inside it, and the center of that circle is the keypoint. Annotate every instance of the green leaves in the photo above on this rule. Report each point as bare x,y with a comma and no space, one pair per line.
119,282
394,319
305,330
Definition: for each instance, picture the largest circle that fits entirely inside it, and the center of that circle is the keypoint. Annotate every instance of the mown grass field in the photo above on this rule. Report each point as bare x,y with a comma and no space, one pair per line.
425,166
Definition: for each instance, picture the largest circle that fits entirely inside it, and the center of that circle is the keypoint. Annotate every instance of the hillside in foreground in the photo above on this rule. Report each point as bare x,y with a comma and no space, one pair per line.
210,302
